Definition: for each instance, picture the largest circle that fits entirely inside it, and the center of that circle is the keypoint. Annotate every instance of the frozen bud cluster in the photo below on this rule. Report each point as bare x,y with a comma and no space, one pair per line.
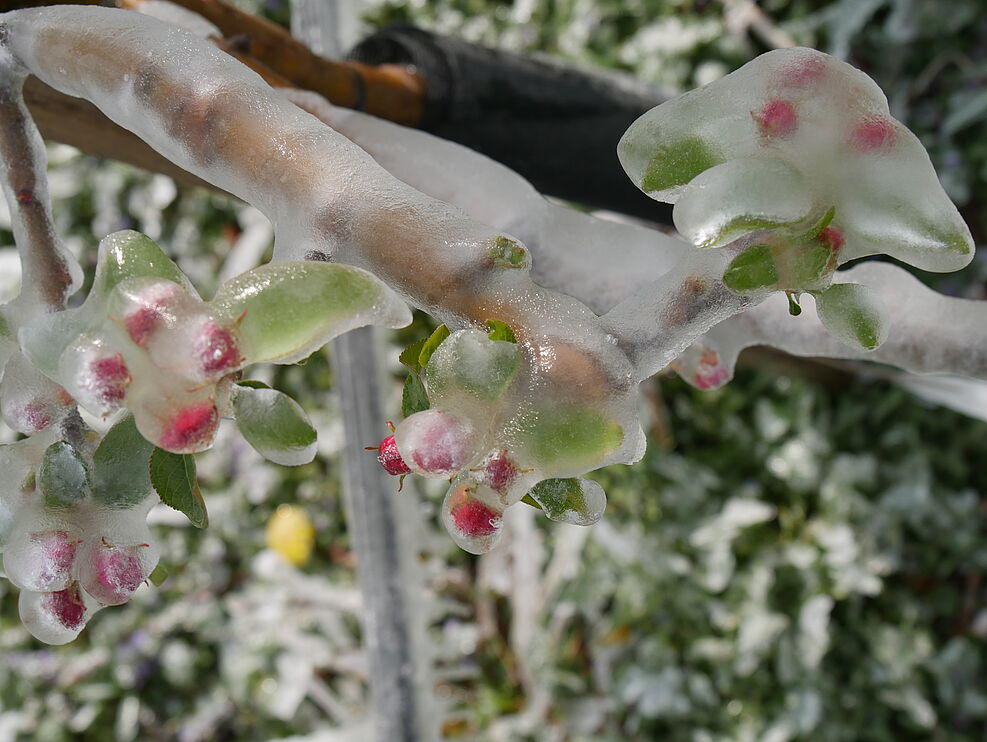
73,537
499,430
797,153
145,340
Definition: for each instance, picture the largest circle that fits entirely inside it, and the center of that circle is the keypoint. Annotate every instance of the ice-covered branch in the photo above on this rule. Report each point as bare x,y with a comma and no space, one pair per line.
49,273
927,332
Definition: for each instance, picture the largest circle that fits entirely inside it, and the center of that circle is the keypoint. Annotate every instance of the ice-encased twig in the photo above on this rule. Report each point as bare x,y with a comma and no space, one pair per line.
929,332
49,273
598,261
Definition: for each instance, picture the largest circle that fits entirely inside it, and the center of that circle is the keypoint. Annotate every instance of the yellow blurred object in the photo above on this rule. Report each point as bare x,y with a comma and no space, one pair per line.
290,533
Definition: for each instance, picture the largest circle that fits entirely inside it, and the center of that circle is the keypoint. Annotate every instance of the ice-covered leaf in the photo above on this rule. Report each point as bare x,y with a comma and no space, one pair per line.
470,363
129,254
676,163
741,196
432,342
569,437
286,311
275,425
500,331
752,271
854,314
413,396
173,477
64,476
120,473
580,502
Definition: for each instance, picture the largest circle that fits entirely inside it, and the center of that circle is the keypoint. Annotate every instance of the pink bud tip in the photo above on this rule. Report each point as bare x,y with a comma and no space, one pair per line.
66,606
713,379
777,118
390,459
58,552
192,426
475,519
110,378
116,575
141,323
216,350
802,74
832,238
32,417
500,471
873,134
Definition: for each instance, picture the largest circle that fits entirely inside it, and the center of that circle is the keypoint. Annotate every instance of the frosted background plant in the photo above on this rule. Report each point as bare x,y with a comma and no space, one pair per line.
629,691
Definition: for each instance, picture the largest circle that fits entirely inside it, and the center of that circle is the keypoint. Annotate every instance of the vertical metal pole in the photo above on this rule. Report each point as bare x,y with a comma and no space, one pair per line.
381,523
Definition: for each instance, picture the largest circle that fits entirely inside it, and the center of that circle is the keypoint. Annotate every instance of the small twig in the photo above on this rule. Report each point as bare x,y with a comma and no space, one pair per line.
47,271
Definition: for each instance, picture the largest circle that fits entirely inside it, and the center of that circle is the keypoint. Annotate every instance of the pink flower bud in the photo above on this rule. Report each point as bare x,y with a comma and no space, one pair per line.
108,379
803,73
777,119
114,574
216,350
500,471
390,459
872,134
832,238
191,428
66,606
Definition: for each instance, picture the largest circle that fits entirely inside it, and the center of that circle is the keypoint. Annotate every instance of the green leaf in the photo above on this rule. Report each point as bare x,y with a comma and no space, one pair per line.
253,384
813,232
286,311
433,342
413,396
677,163
853,314
120,474
64,476
529,500
130,254
158,575
753,270
570,437
470,362
411,355
577,501
508,253
500,331
809,264
173,477
275,425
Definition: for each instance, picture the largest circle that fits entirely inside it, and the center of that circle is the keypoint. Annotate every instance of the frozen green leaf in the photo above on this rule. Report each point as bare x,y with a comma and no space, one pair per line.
753,270
173,477
120,474
413,396
64,476
286,311
275,425
431,343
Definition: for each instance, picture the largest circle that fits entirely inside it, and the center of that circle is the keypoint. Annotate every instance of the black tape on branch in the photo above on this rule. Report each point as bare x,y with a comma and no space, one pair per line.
555,124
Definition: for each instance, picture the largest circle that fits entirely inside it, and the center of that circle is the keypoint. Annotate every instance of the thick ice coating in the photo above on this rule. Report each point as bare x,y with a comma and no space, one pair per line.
70,542
574,399
781,141
144,340
788,167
